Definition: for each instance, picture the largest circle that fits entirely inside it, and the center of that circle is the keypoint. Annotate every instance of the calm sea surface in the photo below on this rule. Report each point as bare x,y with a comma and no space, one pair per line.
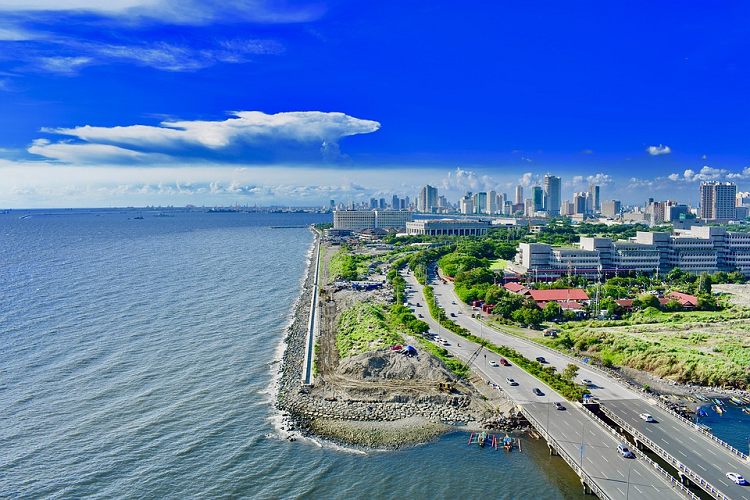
137,361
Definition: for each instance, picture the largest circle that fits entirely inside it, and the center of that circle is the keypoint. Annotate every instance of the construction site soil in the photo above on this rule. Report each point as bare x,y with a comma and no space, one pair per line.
380,398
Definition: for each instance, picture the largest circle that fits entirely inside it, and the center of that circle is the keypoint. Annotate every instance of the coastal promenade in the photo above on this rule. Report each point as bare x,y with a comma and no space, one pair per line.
587,445
313,322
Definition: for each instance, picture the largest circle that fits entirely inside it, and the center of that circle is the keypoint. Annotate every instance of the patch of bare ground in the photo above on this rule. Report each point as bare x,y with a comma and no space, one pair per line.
383,398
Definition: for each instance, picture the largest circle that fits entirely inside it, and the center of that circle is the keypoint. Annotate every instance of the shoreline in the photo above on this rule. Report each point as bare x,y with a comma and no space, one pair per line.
371,422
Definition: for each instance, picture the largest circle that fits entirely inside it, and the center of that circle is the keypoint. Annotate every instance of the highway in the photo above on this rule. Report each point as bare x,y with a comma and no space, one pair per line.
708,459
591,446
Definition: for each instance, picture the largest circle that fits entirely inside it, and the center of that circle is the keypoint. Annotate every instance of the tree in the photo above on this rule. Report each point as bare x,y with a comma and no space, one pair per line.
570,372
552,310
704,286
648,300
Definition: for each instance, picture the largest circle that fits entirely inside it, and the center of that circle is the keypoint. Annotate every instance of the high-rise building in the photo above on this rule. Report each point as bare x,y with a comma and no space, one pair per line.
718,200
491,202
395,203
480,203
611,208
467,204
428,199
537,198
579,203
500,200
519,195
553,194
373,203
595,203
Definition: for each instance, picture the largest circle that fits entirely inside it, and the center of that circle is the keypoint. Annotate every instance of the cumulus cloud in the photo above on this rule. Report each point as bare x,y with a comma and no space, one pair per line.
587,152
658,150
249,128
600,179
527,179
461,180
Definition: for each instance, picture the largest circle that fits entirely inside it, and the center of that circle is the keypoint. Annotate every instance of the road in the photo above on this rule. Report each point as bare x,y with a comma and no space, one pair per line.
703,456
572,429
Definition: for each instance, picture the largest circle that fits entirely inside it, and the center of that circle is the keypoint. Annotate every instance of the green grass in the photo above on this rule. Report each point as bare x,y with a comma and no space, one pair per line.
362,328
498,264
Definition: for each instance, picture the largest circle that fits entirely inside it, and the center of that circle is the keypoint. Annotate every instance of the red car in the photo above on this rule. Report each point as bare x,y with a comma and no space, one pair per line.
504,362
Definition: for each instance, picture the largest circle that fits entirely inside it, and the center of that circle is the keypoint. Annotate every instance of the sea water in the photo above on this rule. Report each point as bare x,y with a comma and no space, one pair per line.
138,358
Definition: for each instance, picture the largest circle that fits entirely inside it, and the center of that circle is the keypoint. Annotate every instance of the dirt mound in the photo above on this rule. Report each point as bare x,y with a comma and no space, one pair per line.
386,364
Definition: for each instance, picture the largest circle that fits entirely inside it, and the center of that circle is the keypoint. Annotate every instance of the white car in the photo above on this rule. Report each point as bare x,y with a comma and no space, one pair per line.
646,417
586,382
494,363
733,476
511,381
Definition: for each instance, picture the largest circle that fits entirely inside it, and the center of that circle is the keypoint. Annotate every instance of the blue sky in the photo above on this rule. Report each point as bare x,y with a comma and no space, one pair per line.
144,102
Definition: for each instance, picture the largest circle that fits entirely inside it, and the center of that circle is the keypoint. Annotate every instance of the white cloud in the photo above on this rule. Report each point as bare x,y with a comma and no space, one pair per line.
192,12
658,150
704,157
673,177
461,180
91,153
600,179
527,179
745,174
587,152
63,65
251,128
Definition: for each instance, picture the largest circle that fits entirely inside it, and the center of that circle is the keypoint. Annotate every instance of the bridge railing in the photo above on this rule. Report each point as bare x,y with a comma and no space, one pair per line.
611,374
578,469
695,478
700,429
665,475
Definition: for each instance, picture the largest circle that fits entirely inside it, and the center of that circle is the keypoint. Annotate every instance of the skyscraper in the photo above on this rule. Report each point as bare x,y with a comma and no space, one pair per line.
537,198
718,200
428,199
595,203
552,191
519,194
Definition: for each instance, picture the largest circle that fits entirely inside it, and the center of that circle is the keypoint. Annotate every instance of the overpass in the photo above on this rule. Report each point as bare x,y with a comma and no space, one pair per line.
588,446
703,463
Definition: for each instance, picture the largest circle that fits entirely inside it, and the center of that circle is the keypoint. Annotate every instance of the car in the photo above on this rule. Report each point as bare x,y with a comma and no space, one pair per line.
420,315
559,406
537,391
624,451
453,315
586,382
511,381
540,359
646,417
419,305
494,363
733,476
454,302
504,362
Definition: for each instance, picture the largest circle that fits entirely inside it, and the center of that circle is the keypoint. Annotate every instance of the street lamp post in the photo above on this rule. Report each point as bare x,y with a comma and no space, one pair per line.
627,491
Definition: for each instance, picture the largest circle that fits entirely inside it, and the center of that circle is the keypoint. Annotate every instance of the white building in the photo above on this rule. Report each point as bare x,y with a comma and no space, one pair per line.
699,249
448,227
355,220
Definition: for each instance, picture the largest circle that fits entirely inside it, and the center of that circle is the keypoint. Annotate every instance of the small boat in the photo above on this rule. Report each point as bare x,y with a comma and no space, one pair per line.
736,401
483,439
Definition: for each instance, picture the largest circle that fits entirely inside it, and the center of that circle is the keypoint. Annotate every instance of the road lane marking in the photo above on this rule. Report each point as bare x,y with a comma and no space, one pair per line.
701,467
639,490
636,471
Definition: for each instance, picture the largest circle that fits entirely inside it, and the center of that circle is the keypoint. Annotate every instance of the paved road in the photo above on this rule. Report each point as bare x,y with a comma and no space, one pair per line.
571,428
709,459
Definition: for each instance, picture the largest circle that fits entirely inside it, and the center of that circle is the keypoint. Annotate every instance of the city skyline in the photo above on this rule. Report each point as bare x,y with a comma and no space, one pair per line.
155,102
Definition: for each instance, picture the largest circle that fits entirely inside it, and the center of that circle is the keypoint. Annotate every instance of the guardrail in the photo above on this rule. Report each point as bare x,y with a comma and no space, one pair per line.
665,475
612,376
703,431
695,478
578,469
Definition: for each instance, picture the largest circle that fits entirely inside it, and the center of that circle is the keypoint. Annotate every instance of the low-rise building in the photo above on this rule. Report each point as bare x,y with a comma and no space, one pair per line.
448,227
